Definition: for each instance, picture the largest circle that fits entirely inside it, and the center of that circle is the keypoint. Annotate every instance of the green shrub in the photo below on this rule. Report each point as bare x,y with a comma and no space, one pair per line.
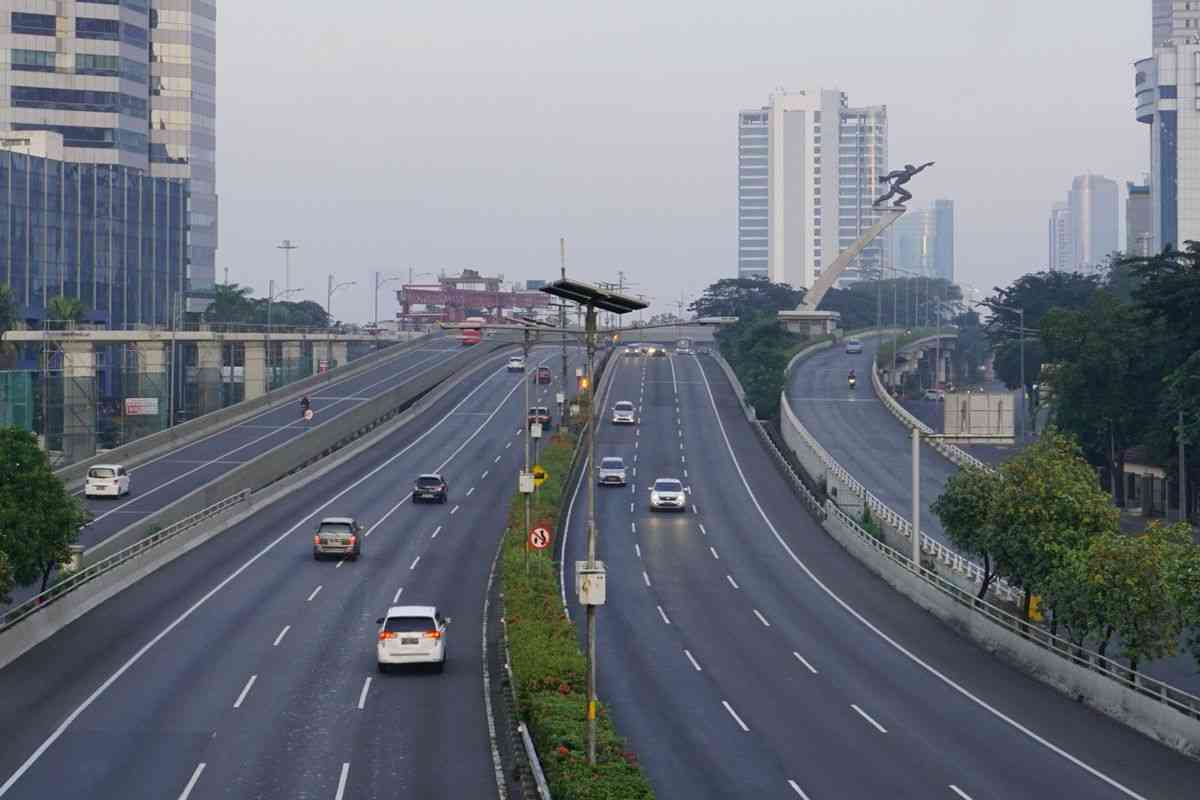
549,670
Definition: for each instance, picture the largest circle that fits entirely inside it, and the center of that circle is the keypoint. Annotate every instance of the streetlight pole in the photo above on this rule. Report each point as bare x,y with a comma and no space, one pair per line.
562,312
593,656
329,316
287,246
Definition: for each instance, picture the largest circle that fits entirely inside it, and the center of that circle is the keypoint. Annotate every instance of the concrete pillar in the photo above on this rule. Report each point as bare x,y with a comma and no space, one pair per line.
341,354
940,369
255,373
79,401
209,360
292,352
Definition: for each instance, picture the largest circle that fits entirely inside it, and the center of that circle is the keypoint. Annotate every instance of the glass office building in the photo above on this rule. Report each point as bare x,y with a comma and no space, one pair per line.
108,234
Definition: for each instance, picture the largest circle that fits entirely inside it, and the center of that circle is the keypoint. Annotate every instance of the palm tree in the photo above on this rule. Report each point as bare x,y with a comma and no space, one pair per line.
232,304
65,309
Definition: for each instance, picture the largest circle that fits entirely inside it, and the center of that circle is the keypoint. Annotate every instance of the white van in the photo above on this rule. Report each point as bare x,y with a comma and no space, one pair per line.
106,480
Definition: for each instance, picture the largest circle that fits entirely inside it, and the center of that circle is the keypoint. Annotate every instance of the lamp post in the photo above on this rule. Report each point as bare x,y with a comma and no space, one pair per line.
380,281
1023,332
411,277
329,315
272,296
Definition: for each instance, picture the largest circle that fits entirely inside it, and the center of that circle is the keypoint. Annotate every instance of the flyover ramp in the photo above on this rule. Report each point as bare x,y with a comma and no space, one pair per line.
709,616
142,690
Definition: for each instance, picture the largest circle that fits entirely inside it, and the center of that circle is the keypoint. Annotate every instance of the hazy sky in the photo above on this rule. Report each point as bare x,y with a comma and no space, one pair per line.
387,135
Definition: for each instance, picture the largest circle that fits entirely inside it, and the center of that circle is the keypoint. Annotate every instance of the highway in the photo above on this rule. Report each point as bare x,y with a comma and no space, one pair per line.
247,669
745,654
160,481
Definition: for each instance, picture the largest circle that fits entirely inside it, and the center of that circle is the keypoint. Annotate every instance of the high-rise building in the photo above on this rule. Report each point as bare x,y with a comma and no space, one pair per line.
943,248
128,83
1095,210
808,171
1061,239
1139,220
923,241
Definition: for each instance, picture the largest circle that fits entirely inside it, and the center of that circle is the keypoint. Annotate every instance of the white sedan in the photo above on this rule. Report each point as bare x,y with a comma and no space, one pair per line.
411,635
668,494
516,364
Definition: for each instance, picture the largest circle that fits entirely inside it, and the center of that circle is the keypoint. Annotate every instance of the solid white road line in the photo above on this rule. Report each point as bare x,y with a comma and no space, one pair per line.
314,594
761,618
362,696
454,510
245,691
695,664
436,531
732,582
191,784
413,565
396,597
470,492
960,792
282,634
341,790
799,791
637,549
932,670
663,614
136,657
733,714
803,661
867,717
713,550
646,578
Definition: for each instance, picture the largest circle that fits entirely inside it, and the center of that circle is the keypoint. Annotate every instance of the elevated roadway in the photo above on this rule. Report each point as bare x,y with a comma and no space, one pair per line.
745,654
247,669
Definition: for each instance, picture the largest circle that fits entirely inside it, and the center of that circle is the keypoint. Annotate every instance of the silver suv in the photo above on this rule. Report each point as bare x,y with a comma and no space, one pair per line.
338,536
611,472
623,413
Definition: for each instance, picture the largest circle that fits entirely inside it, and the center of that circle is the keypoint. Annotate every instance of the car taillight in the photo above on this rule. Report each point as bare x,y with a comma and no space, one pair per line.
386,635
433,634
353,538
317,539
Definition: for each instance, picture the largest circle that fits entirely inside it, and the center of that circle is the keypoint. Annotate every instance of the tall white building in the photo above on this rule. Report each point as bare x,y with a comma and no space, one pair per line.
808,171
1061,239
1095,213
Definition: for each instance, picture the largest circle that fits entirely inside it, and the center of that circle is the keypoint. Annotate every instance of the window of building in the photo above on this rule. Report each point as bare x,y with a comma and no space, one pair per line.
90,28
32,60
36,24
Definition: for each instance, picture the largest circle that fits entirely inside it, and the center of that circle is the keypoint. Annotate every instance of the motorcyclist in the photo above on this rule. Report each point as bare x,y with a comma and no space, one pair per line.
851,379
304,405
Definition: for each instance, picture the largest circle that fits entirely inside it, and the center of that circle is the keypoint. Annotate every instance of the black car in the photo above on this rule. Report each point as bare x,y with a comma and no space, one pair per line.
430,487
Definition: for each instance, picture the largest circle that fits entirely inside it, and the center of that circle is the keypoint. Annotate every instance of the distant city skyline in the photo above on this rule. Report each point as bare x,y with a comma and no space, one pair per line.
923,241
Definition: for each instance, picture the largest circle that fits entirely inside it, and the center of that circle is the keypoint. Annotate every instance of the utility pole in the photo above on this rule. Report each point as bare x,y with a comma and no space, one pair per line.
562,312
593,656
287,246
267,340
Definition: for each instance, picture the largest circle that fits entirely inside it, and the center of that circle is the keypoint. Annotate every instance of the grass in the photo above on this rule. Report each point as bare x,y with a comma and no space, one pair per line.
548,667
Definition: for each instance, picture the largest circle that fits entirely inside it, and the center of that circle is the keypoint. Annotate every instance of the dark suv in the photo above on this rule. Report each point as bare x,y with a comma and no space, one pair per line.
338,536
431,487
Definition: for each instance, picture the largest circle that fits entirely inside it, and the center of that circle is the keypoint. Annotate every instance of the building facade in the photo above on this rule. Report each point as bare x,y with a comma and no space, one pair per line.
1095,212
127,83
808,170
108,234
923,241
1061,239
1139,213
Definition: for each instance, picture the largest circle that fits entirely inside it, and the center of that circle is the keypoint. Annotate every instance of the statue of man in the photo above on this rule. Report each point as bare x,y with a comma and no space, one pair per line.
898,178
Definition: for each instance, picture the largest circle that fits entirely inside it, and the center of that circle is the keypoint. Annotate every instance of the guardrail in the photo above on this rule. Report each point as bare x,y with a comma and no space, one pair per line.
76,579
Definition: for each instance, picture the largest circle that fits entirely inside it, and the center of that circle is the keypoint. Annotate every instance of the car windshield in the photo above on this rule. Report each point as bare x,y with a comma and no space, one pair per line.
101,472
409,624
668,486
612,463
624,406
335,527
428,481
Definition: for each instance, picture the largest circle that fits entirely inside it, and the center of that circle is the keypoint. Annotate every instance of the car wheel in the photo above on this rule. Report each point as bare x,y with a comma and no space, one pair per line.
354,556
316,556
443,500
383,668
440,666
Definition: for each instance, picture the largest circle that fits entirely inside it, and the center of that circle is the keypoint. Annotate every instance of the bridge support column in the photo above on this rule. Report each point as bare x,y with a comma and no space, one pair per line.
79,401
255,372
209,361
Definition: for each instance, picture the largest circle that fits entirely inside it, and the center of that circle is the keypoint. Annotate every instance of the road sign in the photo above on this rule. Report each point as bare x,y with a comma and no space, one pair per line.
539,538
308,415
535,430
141,406
539,475
322,365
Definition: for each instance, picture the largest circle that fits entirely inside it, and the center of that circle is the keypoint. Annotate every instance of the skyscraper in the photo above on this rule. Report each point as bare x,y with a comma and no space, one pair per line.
943,248
1139,220
1061,239
1094,202
923,241
127,83
808,169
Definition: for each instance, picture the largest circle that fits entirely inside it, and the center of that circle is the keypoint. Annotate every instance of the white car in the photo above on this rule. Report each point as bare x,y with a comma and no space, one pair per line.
611,472
516,364
106,480
934,394
411,635
853,347
668,493
623,413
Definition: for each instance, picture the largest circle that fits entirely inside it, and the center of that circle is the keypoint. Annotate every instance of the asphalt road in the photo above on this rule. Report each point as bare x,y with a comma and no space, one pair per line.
246,669
745,654
161,481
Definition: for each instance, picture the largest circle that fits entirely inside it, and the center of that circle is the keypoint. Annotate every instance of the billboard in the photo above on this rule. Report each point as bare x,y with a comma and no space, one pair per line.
980,417
141,406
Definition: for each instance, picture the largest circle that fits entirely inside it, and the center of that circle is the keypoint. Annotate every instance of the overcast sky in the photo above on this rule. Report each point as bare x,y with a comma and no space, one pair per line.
384,135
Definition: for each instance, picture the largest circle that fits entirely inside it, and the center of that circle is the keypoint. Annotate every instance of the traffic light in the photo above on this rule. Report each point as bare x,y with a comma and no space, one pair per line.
583,383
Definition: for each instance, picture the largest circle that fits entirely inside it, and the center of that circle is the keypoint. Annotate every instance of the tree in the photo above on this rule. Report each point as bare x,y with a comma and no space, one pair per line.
6,580
758,348
65,309
1168,299
1048,504
736,297
231,304
972,350
39,518
8,321
1183,566
966,508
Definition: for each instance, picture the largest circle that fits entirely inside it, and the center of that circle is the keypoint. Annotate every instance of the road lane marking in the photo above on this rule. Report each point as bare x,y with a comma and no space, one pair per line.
631,508
646,579
761,618
732,582
470,492
497,461
713,550
733,714
635,458
396,598
341,561
867,717
636,445
685,473
341,790
633,527
960,792
282,634
802,660
702,530
191,784
663,614
245,691
799,791
387,514
413,565
314,594
454,510
637,549
483,477
362,696
508,445
695,664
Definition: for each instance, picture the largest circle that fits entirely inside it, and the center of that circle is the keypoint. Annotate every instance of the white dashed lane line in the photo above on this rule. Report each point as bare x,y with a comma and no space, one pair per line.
803,661
362,696
637,549
245,691
470,492
497,461
436,531
663,614
314,594
282,634
483,477
413,565
736,718
646,579
454,510
633,527
396,597
341,787
761,618
798,790
702,530
695,664
960,792
732,582
867,717
713,550
191,784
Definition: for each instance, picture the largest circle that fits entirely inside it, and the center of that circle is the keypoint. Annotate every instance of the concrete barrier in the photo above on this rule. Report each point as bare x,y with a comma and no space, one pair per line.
37,627
155,444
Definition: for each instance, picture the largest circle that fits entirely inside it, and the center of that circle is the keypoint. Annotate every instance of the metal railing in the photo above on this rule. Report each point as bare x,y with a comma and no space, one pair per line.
76,579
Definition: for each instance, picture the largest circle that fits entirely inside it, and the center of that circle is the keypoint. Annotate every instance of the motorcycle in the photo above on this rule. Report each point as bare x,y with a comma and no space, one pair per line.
852,381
